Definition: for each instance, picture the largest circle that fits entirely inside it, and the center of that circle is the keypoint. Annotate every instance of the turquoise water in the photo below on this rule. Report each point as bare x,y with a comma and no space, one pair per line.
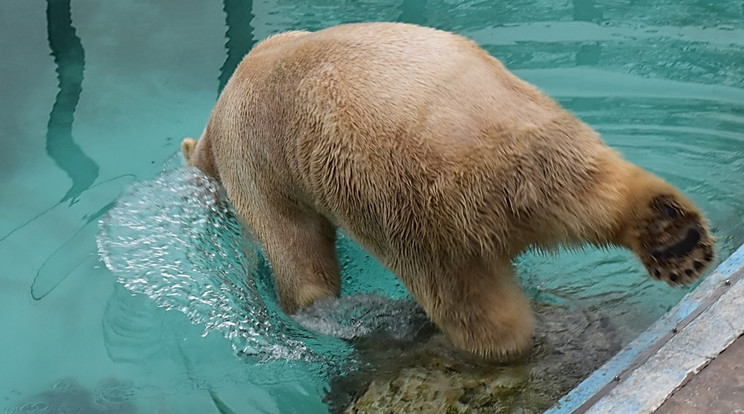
96,96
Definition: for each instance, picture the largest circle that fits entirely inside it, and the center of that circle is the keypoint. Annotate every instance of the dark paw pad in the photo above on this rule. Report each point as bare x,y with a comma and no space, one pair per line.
676,245
681,248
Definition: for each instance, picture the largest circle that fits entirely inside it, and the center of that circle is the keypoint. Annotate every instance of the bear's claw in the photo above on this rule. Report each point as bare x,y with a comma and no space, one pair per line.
676,245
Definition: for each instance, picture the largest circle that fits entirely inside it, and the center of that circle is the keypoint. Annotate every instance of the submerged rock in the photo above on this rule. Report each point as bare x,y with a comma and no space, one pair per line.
425,375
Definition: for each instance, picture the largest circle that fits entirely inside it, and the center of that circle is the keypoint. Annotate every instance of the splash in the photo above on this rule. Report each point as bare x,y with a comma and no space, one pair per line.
176,239
358,316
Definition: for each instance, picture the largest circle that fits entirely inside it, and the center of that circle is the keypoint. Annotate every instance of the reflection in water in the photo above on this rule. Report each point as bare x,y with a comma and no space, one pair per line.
70,59
238,18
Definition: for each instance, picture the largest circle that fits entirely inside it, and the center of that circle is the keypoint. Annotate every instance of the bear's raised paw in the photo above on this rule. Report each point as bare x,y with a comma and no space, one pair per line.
676,246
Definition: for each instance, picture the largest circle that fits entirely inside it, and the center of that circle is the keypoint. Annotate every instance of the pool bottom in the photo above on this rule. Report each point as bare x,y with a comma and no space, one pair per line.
675,348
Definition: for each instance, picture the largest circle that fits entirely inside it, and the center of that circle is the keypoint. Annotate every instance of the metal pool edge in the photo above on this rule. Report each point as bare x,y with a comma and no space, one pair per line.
677,346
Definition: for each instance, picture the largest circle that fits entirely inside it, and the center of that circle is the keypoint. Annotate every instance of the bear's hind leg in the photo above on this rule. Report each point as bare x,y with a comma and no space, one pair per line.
672,239
301,249
483,311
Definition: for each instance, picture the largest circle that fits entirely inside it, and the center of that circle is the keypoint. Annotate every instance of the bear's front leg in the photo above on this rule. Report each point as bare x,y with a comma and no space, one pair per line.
300,246
480,309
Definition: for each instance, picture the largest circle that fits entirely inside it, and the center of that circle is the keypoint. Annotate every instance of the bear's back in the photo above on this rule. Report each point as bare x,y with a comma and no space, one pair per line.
403,76
404,134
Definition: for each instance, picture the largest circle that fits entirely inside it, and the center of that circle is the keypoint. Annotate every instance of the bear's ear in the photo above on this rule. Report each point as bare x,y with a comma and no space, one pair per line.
188,146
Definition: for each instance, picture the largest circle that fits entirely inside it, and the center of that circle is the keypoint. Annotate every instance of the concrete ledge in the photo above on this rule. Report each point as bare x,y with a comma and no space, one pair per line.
677,346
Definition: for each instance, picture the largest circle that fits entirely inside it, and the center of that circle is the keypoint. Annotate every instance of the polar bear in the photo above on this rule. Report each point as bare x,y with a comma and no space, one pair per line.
437,160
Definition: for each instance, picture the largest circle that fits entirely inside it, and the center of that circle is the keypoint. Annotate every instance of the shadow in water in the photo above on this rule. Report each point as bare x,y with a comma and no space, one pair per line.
69,56
238,17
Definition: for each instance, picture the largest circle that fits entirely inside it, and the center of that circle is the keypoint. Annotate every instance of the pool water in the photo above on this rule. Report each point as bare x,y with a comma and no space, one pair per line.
122,294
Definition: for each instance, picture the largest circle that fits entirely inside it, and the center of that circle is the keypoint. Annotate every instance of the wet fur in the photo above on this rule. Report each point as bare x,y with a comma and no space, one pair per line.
440,162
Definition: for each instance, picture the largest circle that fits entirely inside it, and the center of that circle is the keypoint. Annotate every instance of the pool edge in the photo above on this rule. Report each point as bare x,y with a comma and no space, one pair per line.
646,372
